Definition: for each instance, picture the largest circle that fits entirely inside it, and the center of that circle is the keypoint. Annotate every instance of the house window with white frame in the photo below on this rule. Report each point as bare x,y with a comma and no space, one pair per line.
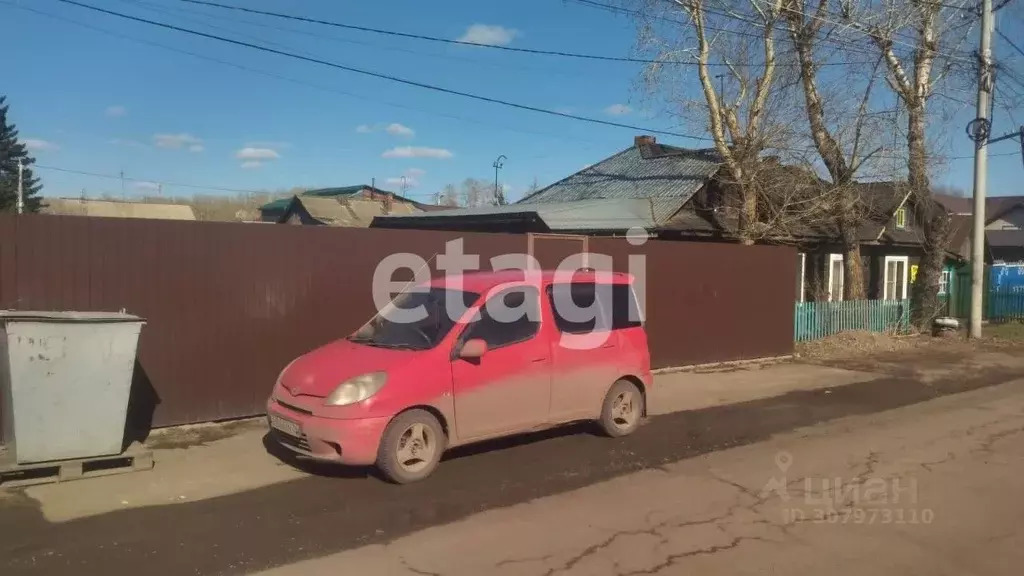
835,277
944,280
896,268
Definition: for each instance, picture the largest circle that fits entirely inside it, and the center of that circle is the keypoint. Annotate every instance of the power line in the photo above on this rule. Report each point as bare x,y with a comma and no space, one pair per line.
177,12
846,45
377,75
1010,42
385,76
375,99
457,42
165,183
435,38
146,180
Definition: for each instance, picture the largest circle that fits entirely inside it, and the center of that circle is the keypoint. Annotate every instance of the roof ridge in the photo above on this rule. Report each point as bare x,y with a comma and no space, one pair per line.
553,184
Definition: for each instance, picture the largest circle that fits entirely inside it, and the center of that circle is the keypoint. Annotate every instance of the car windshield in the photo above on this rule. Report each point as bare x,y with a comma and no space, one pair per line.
416,320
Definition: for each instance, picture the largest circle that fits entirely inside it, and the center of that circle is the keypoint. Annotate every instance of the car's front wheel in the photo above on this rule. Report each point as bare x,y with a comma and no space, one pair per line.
623,409
411,447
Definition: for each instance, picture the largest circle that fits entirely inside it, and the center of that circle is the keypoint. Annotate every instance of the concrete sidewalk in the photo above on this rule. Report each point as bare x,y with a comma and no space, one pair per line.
206,461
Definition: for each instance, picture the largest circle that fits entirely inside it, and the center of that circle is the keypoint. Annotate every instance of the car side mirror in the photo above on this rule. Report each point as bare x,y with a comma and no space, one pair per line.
473,348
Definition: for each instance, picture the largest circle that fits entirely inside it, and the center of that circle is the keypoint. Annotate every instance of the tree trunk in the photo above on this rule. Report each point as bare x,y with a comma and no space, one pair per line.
924,303
853,268
748,214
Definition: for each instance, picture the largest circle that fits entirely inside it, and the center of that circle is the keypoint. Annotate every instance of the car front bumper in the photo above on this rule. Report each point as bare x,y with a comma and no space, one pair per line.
352,441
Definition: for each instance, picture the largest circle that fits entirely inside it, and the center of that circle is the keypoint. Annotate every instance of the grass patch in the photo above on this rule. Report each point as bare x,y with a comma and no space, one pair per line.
1007,331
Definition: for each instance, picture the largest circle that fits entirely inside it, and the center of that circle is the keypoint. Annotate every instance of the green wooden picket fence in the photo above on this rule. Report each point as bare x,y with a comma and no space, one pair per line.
814,320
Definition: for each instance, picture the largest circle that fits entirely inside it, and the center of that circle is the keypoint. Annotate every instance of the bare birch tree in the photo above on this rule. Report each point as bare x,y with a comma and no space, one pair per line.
738,123
845,139
920,43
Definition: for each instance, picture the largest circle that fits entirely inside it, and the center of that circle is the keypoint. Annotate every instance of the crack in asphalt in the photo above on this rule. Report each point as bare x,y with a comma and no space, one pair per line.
405,564
319,515
659,529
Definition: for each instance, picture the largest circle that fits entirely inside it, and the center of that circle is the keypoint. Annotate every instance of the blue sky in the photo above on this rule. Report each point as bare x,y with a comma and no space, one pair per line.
96,102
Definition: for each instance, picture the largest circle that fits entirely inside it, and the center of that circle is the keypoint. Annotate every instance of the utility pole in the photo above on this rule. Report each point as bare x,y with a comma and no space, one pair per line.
979,130
499,195
20,206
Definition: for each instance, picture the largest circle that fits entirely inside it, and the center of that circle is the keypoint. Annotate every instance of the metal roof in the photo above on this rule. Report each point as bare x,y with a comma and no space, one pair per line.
115,209
619,214
665,177
1005,238
342,211
339,191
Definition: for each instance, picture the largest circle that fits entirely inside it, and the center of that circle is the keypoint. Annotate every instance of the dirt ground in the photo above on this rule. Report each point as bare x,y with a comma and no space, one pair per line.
314,514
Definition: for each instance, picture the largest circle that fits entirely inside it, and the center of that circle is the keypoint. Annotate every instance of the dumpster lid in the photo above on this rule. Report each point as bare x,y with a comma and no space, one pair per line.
68,316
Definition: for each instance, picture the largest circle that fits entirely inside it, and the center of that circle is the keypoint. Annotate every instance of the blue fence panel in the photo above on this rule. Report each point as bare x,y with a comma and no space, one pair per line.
1005,303
814,320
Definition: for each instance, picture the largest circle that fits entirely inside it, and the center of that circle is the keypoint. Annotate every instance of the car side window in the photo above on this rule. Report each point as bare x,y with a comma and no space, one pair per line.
616,301
509,317
583,296
624,307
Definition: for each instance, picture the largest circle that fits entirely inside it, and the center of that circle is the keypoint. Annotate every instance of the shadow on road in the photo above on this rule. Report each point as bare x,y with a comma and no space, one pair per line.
336,510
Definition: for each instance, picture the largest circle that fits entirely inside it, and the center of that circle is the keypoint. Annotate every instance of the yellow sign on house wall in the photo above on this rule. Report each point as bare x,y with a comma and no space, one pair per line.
913,273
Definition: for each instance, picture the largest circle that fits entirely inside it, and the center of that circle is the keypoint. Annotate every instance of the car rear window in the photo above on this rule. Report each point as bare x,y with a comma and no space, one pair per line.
617,308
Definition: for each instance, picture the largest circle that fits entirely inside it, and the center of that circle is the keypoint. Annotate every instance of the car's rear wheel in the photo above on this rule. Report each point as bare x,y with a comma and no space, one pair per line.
411,447
623,409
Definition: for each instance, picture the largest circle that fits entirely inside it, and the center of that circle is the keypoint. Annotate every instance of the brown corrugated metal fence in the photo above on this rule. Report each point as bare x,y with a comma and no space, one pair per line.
228,305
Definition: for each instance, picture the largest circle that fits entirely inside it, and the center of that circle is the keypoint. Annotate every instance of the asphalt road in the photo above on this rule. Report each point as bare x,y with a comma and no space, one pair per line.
320,515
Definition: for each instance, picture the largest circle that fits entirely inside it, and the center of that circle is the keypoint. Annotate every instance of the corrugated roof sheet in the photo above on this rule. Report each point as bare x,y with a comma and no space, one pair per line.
114,209
584,215
1005,238
665,177
356,213
277,207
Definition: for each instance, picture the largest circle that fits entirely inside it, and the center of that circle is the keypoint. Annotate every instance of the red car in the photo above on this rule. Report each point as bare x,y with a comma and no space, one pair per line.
398,394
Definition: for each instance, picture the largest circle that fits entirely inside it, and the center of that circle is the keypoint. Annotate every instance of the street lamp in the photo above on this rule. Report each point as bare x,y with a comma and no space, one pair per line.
499,195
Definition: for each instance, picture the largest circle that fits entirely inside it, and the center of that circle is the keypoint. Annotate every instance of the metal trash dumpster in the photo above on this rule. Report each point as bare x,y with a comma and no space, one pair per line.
65,378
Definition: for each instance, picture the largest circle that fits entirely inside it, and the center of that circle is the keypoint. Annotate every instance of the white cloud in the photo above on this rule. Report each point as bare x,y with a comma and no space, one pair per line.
177,141
250,153
417,152
490,35
397,181
364,129
116,111
415,172
196,148
396,129
38,145
618,110
147,186
251,164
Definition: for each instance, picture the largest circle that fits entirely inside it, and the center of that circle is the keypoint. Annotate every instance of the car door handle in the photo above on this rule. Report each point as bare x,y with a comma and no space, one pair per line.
539,360
608,345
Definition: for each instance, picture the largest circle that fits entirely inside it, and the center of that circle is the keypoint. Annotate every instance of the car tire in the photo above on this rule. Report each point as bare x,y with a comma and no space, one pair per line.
623,409
411,447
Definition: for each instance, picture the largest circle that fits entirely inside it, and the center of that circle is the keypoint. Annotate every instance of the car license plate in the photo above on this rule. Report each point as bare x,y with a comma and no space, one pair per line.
286,426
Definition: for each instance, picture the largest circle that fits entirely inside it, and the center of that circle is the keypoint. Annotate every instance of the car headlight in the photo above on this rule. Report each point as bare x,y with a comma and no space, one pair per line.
356,389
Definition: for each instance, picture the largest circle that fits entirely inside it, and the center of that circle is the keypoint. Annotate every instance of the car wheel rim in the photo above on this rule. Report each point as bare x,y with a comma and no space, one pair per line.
625,410
416,448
